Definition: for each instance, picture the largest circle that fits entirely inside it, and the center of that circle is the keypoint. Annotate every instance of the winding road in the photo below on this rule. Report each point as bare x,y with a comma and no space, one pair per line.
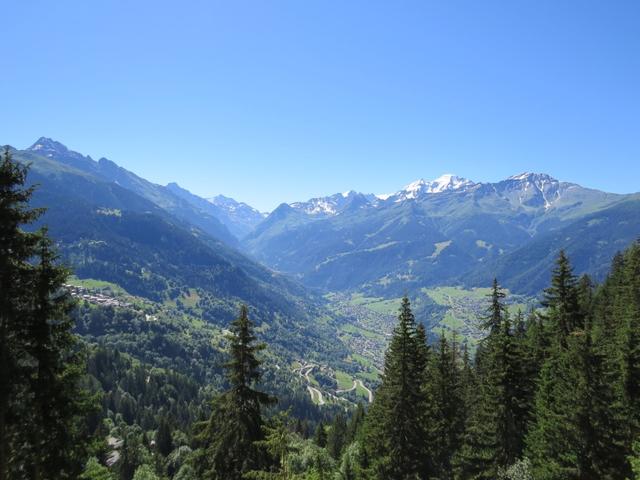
316,395
356,384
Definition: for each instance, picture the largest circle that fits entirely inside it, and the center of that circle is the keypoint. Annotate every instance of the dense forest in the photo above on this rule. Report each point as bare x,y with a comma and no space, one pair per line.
553,393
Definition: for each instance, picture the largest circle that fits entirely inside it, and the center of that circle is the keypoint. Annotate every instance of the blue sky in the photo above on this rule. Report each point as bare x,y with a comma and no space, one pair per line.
273,101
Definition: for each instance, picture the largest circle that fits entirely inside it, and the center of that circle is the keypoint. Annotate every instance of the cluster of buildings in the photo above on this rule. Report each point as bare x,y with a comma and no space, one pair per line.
83,293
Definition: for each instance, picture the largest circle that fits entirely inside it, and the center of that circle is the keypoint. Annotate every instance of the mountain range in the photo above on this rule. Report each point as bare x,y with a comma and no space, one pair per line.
447,231
111,225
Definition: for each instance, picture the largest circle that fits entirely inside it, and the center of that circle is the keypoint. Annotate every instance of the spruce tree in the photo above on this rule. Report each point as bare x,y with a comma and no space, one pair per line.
496,311
500,408
278,442
356,422
16,248
320,436
629,336
557,441
446,415
236,425
337,436
42,404
396,437
561,300
59,402
164,442
523,374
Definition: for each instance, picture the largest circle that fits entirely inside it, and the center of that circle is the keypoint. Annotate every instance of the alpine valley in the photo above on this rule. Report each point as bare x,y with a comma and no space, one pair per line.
159,274
334,264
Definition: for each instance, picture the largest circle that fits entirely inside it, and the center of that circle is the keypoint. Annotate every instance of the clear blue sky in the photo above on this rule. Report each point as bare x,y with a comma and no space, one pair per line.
272,101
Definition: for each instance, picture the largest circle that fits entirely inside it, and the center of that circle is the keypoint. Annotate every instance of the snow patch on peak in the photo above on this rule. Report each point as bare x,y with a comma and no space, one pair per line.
443,183
521,176
48,145
414,186
414,189
384,196
448,181
533,177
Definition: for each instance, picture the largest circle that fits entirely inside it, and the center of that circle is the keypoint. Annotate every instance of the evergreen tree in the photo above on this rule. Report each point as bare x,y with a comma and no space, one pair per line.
355,425
557,441
423,352
320,437
59,403
95,471
42,404
561,300
500,409
446,415
145,472
164,442
278,443
495,317
16,248
522,376
235,428
337,436
476,458
395,427
615,363
629,333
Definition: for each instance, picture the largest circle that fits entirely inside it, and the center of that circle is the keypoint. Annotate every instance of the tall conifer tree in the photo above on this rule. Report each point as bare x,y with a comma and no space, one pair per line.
556,442
59,402
16,247
446,419
236,425
41,399
396,437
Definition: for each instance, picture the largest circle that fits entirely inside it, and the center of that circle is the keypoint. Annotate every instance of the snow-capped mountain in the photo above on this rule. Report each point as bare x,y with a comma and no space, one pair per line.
444,183
240,218
534,190
332,205
525,190
425,232
335,204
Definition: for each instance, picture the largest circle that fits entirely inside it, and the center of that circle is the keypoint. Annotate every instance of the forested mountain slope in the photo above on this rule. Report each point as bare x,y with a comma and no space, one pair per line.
108,171
108,232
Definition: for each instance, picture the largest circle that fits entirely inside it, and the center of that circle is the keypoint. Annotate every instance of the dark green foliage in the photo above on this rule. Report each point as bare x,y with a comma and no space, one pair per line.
164,443
233,433
395,435
320,437
446,408
42,432
337,436
278,443
580,423
561,301
16,247
500,408
495,318
95,471
58,402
